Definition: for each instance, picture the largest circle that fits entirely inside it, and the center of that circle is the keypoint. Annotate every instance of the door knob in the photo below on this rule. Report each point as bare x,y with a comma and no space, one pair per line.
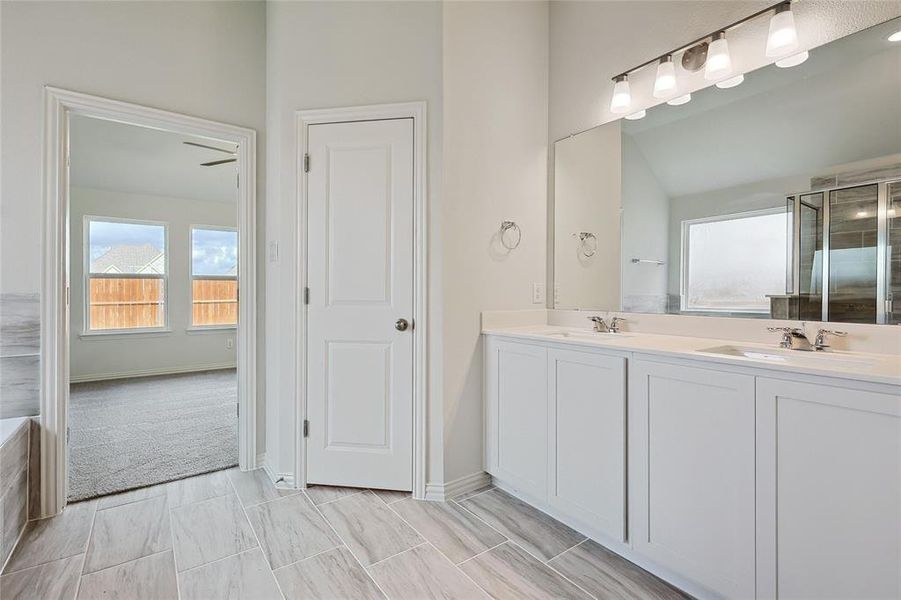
401,325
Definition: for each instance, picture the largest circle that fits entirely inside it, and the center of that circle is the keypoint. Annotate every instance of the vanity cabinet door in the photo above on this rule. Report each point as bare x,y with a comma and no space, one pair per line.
829,491
516,423
587,439
691,473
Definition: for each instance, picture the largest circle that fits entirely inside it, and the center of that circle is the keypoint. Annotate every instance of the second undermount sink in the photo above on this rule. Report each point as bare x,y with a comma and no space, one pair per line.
589,335
790,357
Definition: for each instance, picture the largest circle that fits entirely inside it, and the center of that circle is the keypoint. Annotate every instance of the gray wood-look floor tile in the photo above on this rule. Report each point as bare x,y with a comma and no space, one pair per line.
209,530
605,574
148,578
423,573
13,512
195,489
13,456
130,496
320,494
475,492
333,574
51,539
57,580
527,526
391,496
291,529
128,532
369,528
510,572
245,576
254,487
453,530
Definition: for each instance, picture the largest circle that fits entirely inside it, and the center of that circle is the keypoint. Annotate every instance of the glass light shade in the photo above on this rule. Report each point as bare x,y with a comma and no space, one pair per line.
783,37
719,63
665,84
685,99
895,37
731,82
793,60
622,97
637,115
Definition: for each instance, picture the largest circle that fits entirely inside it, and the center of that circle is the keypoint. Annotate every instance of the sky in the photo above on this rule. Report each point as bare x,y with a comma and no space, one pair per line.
106,234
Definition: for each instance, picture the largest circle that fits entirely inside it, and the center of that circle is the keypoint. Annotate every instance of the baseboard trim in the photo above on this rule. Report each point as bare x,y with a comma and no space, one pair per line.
442,492
149,372
283,481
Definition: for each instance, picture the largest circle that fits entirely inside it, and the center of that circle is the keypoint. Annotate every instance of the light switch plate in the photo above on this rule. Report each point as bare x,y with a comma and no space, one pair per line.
538,293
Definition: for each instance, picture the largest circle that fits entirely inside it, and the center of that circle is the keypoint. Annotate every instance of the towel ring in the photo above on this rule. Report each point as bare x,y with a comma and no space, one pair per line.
511,235
588,243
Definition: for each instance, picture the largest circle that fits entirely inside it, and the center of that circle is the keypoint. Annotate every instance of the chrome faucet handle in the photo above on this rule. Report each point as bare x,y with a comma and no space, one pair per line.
787,335
599,324
819,343
614,324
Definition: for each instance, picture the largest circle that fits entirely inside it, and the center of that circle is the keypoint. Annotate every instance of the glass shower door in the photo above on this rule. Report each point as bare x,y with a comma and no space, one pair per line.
852,255
893,254
810,257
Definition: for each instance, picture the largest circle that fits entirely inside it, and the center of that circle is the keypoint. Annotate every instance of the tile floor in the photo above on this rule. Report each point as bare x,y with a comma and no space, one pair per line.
233,535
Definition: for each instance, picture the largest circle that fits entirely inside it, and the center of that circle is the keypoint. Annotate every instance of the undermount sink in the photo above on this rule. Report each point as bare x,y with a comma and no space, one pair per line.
589,335
789,357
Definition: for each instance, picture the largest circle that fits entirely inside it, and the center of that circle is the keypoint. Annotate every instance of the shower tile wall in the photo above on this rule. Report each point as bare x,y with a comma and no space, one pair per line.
20,339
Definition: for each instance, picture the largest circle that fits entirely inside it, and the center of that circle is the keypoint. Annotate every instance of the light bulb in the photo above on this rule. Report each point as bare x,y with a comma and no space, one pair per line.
731,82
783,37
792,61
665,84
622,97
685,99
719,63
895,37
637,115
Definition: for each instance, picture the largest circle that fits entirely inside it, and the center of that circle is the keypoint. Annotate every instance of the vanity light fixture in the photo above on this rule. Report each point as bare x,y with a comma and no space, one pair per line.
731,82
637,115
719,62
665,84
895,37
792,61
622,97
783,37
680,100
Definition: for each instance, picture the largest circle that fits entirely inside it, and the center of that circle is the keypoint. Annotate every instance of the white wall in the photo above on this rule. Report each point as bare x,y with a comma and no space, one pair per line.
331,54
97,357
495,169
200,58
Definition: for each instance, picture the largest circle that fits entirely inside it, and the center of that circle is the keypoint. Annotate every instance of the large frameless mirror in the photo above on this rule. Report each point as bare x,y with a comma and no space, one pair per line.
773,199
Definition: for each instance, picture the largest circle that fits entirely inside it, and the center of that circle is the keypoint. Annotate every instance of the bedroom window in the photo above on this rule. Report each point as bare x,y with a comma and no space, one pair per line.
214,277
731,262
126,275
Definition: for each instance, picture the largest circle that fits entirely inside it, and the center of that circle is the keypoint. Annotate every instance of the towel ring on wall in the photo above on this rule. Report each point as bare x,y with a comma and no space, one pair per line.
588,243
511,235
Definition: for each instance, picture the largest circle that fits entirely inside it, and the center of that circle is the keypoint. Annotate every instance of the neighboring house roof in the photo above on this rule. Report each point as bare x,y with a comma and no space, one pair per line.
145,258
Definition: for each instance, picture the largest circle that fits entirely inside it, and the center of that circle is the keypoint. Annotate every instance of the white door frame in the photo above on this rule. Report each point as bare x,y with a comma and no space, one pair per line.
378,112
58,105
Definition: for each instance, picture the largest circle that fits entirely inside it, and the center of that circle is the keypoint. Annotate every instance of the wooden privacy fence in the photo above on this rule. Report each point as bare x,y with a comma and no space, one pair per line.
132,303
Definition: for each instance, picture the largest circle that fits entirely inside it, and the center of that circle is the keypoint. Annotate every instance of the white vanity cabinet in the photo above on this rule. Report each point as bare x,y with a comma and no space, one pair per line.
829,491
692,471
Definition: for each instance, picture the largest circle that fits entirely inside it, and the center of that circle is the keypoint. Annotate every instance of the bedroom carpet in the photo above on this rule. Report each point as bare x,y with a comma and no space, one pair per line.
131,433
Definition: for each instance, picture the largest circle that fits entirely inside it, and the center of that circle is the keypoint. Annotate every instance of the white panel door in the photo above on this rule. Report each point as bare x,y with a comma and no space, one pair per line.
587,439
360,276
830,497
692,473
516,388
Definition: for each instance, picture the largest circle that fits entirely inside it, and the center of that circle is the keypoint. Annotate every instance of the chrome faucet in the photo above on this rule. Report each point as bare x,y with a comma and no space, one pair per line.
600,325
614,324
795,338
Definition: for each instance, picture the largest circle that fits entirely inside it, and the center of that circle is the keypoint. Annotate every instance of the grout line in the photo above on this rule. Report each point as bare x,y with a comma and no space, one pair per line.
87,547
457,499
172,537
551,567
559,554
482,552
371,578
312,556
359,491
255,536
481,520
378,562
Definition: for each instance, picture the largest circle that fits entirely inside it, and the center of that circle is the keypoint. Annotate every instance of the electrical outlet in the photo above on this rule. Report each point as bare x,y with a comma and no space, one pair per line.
538,293
230,343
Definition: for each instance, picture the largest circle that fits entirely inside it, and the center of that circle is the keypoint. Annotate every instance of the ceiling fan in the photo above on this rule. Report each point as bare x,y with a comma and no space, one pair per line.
213,163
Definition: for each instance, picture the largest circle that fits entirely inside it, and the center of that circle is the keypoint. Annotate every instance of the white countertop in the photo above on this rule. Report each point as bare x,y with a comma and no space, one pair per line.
859,366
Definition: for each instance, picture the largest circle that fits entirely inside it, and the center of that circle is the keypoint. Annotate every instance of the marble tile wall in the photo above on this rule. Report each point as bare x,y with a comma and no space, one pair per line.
20,342
13,487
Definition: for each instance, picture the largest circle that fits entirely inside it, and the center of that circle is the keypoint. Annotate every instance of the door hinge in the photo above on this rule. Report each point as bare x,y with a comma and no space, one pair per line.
306,428
67,434
238,410
306,163
67,295
306,295
238,180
